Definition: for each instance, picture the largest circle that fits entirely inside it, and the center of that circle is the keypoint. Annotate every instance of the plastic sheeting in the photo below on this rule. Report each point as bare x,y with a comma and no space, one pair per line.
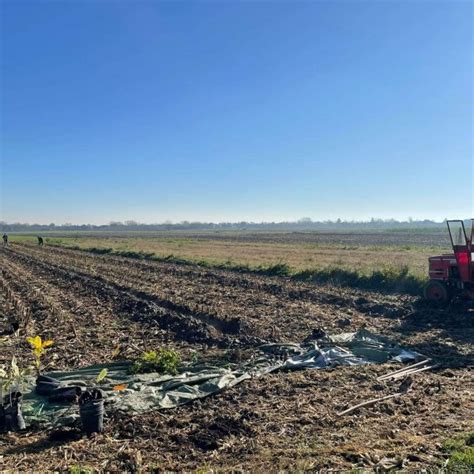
154,391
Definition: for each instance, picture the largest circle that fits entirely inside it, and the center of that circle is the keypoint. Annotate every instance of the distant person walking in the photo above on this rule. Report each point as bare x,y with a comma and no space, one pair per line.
40,241
5,240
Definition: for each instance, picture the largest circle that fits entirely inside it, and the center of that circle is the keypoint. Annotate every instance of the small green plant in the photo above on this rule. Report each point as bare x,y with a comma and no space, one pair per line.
102,374
165,361
461,452
76,469
462,460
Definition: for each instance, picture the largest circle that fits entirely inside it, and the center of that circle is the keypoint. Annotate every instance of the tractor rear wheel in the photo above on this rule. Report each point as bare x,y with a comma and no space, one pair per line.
436,291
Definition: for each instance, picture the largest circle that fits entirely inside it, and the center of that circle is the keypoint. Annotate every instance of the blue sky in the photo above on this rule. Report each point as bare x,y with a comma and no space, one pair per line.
147,110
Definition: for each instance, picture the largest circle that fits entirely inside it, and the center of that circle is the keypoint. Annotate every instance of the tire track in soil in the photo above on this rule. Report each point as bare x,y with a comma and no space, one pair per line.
17,305
278,286
110,324
128,303
154,271
9,318
258,310
57,306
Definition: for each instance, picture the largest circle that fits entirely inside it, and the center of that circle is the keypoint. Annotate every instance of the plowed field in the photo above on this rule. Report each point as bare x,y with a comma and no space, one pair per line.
98,307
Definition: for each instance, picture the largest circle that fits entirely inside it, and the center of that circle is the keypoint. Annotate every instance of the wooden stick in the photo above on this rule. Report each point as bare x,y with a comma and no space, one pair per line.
406,372
369,402
410,372
403,369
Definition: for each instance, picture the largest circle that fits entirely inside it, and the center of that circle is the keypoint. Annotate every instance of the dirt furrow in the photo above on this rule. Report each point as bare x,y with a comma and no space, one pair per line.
198,276
224,284
259,315
60,305
132,304
158,290
56,312
266,314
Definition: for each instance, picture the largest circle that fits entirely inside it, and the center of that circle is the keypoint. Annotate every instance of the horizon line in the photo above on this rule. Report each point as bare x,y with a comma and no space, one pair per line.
305,220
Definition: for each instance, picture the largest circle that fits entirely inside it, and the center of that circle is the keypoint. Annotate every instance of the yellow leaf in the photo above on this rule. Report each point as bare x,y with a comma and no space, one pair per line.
118,388
35,341
48,343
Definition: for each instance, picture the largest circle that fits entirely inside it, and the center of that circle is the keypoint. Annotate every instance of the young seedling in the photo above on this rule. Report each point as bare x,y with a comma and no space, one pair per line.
38,348
102,374
94,393
164,361
11,418
7,380
12,379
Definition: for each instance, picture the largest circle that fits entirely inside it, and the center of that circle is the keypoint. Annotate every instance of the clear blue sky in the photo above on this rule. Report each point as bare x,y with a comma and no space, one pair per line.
115,110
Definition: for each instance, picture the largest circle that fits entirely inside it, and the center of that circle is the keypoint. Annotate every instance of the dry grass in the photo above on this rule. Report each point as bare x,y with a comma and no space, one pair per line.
298,256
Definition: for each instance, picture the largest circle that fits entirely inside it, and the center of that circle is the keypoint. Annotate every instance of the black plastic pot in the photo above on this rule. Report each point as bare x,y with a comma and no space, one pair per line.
11,418
46,385
91,410
65,395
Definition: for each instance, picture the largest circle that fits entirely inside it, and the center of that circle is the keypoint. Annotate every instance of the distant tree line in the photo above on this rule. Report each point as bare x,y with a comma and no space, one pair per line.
302,224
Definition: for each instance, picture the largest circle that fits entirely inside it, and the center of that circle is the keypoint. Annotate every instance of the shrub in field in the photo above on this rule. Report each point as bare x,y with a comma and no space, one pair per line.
165,361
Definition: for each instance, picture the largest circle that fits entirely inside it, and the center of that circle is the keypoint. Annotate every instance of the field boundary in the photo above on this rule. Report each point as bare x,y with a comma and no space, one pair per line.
388,279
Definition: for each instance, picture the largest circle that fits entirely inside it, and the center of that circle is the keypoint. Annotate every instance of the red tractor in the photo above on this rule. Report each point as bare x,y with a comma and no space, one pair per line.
453,274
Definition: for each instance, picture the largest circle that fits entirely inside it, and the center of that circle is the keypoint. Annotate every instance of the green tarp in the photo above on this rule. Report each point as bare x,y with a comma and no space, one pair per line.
154,391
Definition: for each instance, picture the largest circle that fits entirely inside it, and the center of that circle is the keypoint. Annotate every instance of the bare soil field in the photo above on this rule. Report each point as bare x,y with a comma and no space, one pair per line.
89,304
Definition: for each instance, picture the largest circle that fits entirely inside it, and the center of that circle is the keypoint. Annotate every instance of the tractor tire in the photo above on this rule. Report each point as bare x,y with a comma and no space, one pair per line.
437,292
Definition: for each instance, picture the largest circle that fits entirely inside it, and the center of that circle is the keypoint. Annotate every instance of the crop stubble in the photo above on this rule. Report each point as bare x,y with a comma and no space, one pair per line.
91,304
